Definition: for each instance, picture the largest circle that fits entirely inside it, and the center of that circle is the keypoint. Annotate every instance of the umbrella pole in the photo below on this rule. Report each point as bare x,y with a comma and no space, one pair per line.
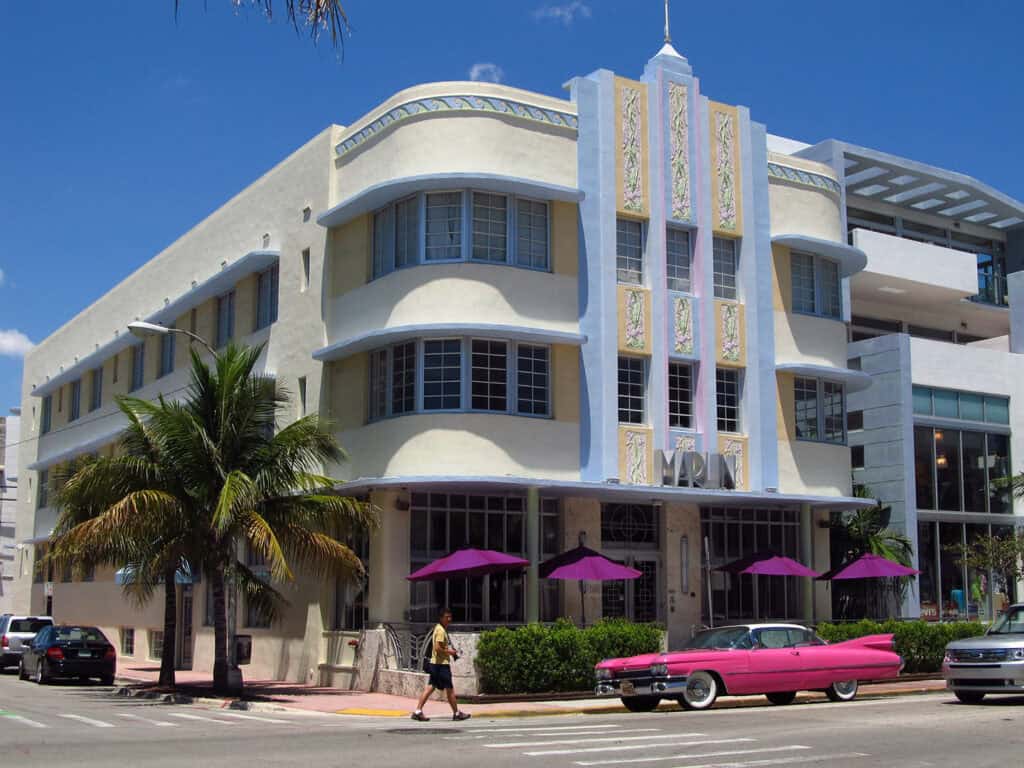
707,579
583,604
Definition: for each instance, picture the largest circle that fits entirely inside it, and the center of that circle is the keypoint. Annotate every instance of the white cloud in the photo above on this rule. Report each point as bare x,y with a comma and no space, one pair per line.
486,71
14,343
565,13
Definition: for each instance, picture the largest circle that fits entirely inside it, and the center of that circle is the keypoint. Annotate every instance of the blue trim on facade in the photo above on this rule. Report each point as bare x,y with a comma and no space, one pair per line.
373,339
701,160
851,260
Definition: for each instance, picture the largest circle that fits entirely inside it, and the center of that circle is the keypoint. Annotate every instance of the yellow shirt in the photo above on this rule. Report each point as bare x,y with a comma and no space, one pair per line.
440,636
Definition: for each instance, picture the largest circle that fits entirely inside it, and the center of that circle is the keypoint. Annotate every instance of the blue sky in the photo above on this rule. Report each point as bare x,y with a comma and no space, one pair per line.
120,128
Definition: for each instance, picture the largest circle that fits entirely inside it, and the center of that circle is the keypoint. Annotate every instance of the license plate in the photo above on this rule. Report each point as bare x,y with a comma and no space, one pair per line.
628,689
85,654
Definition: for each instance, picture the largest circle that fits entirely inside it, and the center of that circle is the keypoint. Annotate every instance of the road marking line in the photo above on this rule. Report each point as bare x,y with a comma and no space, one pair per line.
26,721
781,761
240,716
575,732
590,741
723,753
623,747
545,729
88,721
198,717
162,723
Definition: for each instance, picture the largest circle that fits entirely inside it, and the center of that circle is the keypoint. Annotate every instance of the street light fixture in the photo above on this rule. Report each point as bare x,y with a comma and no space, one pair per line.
142,330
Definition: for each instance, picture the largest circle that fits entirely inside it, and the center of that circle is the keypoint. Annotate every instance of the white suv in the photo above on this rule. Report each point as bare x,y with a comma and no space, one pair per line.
16,633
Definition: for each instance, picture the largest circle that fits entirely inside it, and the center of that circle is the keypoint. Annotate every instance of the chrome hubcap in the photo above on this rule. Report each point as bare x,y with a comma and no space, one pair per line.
697,690
846,687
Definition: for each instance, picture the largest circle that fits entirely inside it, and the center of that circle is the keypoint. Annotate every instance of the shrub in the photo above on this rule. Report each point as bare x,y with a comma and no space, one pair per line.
539,658
922,644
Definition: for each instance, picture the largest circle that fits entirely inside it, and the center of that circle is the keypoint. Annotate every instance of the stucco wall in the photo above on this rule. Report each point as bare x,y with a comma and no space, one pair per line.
805,466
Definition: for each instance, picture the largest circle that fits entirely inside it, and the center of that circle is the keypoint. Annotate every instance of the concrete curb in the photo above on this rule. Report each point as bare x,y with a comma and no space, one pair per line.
183,698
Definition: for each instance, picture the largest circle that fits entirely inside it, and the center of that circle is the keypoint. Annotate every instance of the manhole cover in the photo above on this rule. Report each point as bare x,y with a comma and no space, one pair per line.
419,731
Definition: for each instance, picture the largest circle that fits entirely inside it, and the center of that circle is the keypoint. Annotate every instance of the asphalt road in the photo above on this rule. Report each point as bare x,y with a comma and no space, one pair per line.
88,726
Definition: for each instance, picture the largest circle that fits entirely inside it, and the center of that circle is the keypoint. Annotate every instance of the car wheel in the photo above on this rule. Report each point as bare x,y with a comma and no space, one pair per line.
845,690
781,697
700,692
107,680
41,678
640,703
969,697
22,674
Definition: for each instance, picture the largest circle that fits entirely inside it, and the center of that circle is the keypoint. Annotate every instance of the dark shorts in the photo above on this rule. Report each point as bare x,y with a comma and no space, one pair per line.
441,676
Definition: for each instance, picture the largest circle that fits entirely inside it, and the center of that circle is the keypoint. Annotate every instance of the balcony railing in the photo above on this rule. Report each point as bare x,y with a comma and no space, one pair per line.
991,290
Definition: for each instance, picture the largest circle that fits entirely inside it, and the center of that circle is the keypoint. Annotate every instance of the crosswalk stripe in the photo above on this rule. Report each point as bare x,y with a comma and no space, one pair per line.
648,745
88,721
580,732
782,761
723,753
200,717
506,745
240,716
162,723
545,729
26,721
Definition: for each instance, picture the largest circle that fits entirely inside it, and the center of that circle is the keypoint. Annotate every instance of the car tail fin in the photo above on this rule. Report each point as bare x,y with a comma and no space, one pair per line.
878,642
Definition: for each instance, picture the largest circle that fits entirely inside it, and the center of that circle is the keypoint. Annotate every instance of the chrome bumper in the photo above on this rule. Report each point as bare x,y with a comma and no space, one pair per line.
994,677
645,686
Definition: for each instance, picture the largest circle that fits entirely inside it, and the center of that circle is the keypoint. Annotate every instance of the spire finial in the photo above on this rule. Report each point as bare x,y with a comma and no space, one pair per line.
668,38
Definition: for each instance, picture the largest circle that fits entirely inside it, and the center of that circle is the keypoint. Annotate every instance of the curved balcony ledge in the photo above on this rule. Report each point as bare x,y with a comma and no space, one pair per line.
378,195
855,381
851,260
367,341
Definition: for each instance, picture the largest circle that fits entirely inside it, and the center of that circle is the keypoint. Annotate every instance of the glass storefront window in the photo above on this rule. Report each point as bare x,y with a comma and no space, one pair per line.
998,460
924,467
927,581
978,581
975,483
947,468
954,600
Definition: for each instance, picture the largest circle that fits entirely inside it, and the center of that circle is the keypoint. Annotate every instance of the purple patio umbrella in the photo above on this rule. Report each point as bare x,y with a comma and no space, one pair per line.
468,562
584,564
768,563
869,566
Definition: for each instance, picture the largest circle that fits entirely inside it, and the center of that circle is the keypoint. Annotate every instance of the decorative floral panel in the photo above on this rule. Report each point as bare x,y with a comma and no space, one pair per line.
729,317
636,326
679,150
631,146
637,457
726,176
732,446
686,443
682,326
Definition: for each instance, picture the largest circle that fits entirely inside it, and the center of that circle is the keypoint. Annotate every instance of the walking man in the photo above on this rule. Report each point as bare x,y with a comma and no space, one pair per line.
440,670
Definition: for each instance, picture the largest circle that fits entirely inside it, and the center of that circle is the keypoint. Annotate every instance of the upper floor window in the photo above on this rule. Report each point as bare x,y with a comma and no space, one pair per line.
489,375
96,389
442,374
532,234
680,395
138,366
632,389
266,297
677,259
819,410
727,395
225,318
629,251
167,344
43,492
815,285
407,232
403,378
962,470
76,400
725,263
490,227
534,380
380,242
444,226
46,416
968,406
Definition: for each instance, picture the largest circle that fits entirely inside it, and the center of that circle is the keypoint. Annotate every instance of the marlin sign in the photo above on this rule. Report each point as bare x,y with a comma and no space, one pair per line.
690,469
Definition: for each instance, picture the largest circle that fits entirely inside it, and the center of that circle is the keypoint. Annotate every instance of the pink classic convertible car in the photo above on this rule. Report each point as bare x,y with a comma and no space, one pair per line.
774,659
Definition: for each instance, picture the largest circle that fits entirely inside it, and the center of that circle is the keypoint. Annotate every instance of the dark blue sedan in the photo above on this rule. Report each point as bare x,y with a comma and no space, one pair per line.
65,651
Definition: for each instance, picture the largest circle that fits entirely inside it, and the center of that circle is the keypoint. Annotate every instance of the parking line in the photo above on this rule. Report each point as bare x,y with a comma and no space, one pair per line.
199,717
545,729
723,753
88,721
162,723
240,716
575,732
590,741
624,747
782,761
26,721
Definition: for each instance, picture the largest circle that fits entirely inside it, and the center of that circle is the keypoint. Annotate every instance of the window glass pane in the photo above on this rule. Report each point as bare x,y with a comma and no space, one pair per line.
997,410
924,467
46,415
927,564
403,378
76,399
724,268
631,390
947,468
407,232
923,401
805,396
954,601
945,403
857,457
971,407
975,489
378,384
998,447
828,282
225,318
727,394
167,343
96,397
832,410
138,365
680,395
854,421
489,376
628,251
380,228
533,386
532,234
490,227
803,282
442,375
444,226
677,259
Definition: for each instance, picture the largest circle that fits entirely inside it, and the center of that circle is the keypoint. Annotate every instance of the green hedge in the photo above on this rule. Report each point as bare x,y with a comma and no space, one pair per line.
920,643
539,658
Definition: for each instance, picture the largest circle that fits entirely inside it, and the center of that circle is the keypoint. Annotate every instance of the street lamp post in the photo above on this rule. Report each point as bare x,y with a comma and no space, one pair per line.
143,329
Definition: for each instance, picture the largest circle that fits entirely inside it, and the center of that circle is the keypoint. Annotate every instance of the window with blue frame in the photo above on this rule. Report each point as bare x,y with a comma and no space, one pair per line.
819,410
267,289
815,282
677,259
138,366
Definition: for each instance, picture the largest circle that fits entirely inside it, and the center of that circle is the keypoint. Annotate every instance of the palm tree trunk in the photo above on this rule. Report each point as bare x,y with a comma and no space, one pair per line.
167,657
220,633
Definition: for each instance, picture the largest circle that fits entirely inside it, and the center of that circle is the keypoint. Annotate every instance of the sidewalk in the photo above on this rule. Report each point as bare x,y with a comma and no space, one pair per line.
276,694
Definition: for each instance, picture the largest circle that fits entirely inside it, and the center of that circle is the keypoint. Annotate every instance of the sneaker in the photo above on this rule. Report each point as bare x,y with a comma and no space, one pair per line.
421,717
461,716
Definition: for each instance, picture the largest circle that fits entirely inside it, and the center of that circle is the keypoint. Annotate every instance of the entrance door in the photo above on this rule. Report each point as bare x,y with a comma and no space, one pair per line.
183,642
634,599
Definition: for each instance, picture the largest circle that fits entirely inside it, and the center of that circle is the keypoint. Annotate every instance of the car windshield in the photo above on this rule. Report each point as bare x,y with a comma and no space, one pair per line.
29,626
1010,623
726,637
79,634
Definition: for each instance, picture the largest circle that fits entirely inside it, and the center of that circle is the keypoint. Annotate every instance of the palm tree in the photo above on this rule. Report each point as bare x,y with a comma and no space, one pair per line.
206,478
318,15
